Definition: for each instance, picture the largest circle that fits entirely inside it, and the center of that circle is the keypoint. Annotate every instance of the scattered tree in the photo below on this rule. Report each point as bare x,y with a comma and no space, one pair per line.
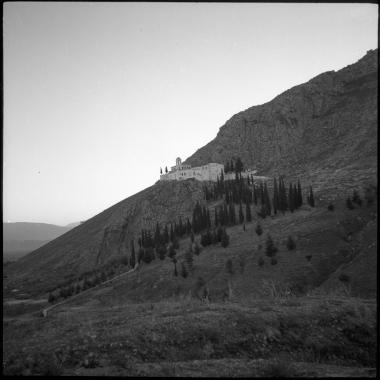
271,249
290,244
184,272
258,229
261,262
225,239
349,204
229,266
330,207
273,261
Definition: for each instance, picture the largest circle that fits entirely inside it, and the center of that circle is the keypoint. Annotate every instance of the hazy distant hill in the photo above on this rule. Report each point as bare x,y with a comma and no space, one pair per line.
323,131
21,238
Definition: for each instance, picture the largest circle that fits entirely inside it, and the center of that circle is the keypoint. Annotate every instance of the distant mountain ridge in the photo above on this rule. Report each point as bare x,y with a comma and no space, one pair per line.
323,131
20,238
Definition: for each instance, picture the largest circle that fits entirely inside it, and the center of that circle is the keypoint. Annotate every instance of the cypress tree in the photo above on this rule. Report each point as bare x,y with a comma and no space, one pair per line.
248,214
166,235
225,239
299,195
254,195
275,196
216,222
188,226
172,251
208,219
184,272
232,216
262,198
132,260
267,200
311,197
239,165
241,215
271,249
157,236
189,258
171,233
291,198
258,229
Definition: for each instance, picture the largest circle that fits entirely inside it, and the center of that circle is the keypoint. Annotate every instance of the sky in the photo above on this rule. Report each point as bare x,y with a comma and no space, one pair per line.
99,96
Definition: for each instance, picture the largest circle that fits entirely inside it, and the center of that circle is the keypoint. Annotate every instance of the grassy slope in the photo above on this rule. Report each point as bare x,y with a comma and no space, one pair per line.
143,323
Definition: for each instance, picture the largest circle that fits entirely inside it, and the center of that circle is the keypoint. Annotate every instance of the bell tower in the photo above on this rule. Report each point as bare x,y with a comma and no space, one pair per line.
178,161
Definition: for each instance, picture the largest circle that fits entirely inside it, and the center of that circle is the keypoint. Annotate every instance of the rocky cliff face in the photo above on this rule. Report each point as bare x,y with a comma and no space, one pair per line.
328,122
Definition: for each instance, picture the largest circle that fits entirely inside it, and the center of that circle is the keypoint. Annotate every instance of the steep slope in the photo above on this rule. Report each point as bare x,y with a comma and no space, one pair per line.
326,124
106,235
323,131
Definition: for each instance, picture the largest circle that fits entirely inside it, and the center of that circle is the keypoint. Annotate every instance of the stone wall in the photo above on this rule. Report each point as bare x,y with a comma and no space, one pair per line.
207,172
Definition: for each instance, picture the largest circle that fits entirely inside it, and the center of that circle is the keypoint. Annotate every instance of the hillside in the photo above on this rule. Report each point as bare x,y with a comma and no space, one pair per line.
323,131
309,311
21,238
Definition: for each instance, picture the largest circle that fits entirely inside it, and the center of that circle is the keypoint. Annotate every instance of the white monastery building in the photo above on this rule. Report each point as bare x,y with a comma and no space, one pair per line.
208,172
179,172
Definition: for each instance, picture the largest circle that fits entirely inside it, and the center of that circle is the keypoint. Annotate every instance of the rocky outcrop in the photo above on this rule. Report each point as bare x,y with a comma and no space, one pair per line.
330,121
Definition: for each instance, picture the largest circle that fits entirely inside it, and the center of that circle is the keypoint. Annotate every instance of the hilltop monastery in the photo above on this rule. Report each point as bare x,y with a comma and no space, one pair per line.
208,172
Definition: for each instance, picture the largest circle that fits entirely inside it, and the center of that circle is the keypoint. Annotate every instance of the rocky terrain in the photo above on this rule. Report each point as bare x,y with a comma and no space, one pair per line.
328,123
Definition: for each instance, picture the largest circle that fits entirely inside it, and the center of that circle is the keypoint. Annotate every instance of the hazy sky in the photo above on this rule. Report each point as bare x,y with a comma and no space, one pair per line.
98,96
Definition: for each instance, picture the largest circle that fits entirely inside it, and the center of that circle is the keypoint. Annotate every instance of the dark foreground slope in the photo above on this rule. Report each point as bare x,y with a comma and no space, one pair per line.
271,320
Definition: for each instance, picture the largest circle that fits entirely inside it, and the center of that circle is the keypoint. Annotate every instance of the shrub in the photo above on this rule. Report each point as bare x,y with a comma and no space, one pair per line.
343,277
330,207
229,266
290,244
172,251
261,262
349,204
148,255
308,257
356,198
273,261
175,243
197,249
189,259
225,239
370,194
259,229
161,251
184,272
271,249
242,264
206,239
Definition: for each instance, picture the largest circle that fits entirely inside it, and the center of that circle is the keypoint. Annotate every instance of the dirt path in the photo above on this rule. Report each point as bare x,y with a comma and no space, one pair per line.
48,309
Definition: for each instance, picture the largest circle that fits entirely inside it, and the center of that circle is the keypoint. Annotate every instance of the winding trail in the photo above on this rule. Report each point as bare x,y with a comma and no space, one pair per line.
48,309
